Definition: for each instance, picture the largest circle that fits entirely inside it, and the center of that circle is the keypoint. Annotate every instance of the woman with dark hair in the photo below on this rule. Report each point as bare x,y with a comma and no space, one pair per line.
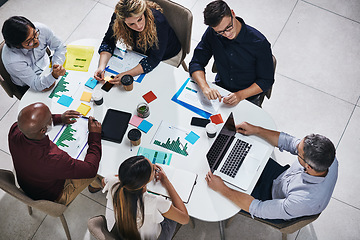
138,214
141,26
24,54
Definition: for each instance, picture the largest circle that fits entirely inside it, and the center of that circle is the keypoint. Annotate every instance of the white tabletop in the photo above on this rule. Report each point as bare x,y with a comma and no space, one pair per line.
164,81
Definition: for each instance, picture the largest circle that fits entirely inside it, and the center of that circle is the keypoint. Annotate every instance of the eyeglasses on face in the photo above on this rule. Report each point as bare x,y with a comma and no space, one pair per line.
31,41
228,28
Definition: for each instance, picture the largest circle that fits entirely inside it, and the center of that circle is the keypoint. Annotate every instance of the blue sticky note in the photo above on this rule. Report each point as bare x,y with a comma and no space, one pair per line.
91,83
192,137
145,126
65,100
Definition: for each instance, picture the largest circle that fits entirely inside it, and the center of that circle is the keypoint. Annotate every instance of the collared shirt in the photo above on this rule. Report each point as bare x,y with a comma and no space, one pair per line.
26,65
240,62
168,45
41,167
296,193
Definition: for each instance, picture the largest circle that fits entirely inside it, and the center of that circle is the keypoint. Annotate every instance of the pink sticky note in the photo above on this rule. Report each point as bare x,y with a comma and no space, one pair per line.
135,121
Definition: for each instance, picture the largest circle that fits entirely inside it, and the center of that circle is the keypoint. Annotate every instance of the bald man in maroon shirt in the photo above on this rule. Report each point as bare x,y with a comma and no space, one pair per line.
43,170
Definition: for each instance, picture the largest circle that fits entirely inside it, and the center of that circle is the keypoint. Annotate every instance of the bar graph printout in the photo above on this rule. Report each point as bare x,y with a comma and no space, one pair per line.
66,86
72,138
172,138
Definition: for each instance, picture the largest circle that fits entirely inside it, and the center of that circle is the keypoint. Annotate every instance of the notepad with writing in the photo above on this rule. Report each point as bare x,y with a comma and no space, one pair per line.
182,180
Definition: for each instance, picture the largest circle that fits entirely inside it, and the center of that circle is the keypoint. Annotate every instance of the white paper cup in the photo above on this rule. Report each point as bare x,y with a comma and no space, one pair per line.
211,130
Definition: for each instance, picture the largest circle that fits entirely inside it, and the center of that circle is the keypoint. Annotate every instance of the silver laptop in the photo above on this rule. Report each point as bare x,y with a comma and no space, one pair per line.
236,158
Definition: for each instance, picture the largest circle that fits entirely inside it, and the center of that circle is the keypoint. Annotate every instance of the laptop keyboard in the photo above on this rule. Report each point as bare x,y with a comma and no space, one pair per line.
216,148
235,158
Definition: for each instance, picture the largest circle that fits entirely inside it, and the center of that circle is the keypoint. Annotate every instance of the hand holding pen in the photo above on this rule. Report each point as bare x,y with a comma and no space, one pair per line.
160,175
94,125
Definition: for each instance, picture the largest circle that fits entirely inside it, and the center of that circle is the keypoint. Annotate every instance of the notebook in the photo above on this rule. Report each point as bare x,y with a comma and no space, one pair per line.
114,125
182,180
236,158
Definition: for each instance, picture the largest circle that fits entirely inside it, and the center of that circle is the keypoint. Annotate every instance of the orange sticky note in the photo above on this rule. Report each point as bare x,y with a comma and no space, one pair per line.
83,109
217,119
86,96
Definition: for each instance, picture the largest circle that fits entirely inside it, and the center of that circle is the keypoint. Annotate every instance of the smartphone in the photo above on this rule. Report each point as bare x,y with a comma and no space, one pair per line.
200,122
107,86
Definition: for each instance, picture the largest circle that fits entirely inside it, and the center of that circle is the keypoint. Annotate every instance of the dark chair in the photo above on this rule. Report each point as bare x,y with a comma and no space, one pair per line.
262,96
98,228
7,183
286,227
10,88
180,19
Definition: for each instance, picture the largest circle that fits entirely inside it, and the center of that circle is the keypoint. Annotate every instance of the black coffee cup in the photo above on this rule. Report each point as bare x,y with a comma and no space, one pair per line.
134,136
127,82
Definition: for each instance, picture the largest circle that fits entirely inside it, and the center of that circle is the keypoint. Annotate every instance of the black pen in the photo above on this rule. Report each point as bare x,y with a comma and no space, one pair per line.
88,118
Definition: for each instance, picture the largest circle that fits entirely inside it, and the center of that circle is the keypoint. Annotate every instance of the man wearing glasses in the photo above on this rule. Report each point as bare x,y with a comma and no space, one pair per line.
287,192
24,54
242,56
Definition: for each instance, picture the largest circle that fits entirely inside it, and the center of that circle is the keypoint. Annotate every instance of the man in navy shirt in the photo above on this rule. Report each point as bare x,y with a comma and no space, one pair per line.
242,56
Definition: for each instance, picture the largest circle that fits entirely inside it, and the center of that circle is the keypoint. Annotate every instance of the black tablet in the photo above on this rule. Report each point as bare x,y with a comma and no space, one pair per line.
114,125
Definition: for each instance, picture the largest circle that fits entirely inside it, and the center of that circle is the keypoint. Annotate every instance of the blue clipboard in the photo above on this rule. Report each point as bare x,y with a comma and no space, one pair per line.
196,110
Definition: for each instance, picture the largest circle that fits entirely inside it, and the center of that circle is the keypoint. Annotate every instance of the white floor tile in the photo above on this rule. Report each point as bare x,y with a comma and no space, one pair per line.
5,125
348,184
77,215
61,16
94,25
6,101
301,110
320,49
15,221
350,10
337,221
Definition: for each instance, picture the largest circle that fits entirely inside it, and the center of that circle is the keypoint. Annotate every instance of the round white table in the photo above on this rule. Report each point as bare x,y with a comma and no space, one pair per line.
164,81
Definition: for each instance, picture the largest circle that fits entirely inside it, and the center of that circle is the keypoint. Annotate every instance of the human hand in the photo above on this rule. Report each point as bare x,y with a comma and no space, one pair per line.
69,116
99,74
211,93
117,79
58,70
232,98
246,128
94,125
214,182
160,175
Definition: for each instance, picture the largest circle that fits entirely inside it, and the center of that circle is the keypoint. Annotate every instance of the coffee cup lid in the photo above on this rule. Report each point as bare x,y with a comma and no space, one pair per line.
211,128
97,95
134,134
127,80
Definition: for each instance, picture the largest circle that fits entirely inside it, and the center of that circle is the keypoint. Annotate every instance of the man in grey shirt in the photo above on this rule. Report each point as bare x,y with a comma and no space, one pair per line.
24,53
302,189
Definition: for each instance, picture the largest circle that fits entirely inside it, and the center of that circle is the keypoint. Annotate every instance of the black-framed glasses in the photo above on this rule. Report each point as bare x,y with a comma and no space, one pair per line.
228,28
31,41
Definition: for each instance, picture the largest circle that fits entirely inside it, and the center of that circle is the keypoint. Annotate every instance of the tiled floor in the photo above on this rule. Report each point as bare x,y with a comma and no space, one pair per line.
317,89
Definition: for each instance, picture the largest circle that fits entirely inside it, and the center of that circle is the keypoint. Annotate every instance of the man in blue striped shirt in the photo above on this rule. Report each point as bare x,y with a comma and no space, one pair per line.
288,192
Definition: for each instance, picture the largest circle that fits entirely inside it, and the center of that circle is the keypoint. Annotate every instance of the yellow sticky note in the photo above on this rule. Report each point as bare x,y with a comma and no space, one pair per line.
83,109
107,78
86,96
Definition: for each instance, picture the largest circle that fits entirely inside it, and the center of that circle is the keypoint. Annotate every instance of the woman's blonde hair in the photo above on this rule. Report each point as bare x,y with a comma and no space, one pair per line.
135,8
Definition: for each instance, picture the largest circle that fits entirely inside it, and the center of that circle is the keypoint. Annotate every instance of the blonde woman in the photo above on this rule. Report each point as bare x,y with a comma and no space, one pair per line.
138,214
141,25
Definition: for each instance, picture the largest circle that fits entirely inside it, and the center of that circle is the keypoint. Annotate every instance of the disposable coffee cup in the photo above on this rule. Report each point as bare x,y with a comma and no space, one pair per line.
97,96
211,130
134,136
127,81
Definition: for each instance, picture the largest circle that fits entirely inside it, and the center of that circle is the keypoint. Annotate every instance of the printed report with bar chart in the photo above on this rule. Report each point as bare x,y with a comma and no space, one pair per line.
172,138
72,138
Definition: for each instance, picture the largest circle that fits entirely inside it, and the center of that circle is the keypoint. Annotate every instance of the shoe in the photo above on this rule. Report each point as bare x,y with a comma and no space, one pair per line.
93,190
